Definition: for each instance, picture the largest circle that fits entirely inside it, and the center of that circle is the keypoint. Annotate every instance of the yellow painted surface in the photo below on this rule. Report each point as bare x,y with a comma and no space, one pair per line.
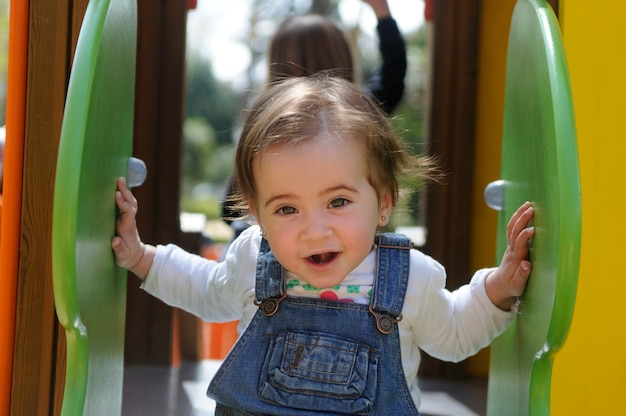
494,32
590,371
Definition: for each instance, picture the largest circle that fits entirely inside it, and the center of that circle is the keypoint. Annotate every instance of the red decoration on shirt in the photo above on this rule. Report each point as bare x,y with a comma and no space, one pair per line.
330,295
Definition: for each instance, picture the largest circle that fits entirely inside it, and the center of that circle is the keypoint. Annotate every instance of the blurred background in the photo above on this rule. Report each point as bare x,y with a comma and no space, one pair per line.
225,64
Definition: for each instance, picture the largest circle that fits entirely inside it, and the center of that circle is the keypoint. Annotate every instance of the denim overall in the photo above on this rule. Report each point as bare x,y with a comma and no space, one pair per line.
308,356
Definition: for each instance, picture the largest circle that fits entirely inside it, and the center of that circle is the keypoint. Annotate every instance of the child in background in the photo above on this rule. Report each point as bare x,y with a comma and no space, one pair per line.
332,313
309,44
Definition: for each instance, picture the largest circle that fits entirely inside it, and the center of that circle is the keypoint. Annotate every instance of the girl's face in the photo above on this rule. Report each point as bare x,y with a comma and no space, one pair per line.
317,208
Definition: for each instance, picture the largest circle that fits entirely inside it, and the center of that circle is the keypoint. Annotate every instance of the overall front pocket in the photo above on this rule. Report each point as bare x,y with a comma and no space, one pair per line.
319,372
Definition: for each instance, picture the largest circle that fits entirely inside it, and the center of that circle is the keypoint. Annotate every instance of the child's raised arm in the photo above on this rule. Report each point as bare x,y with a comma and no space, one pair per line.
380,7
129,251
509,280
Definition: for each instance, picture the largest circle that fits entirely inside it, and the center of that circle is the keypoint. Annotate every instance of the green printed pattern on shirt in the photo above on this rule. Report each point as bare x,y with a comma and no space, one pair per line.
356,293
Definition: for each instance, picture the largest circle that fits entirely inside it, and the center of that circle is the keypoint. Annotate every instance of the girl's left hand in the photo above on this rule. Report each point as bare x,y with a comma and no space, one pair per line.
505,284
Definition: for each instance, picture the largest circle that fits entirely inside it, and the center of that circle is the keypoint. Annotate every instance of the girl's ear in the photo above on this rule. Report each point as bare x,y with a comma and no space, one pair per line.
254,212
386,208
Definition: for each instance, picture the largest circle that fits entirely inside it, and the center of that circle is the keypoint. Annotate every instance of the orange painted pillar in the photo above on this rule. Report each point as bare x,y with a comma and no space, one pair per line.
12,187
216,338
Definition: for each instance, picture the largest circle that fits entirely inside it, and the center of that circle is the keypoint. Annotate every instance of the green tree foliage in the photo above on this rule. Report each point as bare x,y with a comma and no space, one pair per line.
211,100
199,144
206,167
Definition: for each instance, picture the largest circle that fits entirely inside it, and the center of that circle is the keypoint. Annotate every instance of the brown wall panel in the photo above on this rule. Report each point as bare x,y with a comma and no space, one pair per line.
36,379
158,137
451,140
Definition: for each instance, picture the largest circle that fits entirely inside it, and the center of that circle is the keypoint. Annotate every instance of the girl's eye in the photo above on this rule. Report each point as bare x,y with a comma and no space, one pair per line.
339,202
286,210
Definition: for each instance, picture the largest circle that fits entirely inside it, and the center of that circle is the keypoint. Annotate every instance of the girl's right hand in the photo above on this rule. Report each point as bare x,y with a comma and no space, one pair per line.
130,252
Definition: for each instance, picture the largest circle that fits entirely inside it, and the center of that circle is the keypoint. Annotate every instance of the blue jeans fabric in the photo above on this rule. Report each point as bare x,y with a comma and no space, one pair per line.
303,356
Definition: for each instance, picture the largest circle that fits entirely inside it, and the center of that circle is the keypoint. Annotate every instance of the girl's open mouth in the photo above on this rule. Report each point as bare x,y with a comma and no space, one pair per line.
322,258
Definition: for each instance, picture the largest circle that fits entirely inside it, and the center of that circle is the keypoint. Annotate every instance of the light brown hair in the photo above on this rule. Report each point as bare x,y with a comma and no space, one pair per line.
301,109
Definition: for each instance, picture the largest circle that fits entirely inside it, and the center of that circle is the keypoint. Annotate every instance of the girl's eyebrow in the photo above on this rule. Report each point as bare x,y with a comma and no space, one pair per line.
340,187
276,198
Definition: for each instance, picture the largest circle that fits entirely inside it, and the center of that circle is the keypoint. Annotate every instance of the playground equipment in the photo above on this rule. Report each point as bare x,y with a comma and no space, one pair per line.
539,164
96,142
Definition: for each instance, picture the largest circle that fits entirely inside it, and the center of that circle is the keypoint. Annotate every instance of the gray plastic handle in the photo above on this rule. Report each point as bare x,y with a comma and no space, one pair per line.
494,195
136,172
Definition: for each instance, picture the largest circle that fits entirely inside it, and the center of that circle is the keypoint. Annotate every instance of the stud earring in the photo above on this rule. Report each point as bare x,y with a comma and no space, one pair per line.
384,218
263,234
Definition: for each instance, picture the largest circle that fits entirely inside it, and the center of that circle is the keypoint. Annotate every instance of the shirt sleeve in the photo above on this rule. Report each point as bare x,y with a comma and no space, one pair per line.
213,291
452,325
386,86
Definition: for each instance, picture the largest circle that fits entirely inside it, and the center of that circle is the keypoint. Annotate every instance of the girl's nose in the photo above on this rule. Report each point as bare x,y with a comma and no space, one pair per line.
315,226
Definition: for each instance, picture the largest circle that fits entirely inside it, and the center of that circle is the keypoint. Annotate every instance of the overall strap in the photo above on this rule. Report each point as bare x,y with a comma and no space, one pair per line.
392,274
269,275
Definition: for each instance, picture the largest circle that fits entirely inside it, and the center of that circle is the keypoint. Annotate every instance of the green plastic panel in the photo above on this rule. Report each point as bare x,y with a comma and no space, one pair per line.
539,164
96,142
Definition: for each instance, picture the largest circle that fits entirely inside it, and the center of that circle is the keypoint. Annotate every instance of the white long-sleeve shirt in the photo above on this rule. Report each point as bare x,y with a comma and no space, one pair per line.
447,325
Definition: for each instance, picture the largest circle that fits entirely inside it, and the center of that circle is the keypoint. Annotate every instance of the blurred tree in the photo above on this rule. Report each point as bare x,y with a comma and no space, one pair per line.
207,98
205,168
199,143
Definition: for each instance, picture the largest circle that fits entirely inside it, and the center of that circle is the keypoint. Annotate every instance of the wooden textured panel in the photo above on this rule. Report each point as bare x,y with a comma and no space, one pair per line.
451,139
34,370
150,335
